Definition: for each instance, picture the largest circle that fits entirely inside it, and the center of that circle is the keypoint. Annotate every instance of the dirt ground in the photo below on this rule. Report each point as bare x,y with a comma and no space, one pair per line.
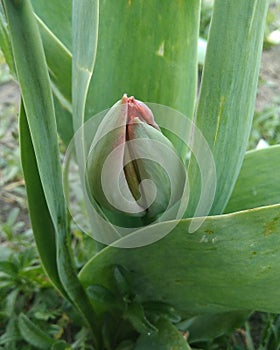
269,87
9,196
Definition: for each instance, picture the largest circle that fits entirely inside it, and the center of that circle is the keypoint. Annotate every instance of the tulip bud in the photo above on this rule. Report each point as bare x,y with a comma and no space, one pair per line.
124,177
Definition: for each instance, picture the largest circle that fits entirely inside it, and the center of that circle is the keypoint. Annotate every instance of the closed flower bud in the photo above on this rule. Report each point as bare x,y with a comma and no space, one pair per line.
125,167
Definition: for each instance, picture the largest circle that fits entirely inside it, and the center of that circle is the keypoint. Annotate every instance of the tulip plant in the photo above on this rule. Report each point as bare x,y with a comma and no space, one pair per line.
164,280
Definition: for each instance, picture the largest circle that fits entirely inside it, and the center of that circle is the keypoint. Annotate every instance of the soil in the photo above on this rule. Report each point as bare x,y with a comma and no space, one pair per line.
9,95
12,193
269,87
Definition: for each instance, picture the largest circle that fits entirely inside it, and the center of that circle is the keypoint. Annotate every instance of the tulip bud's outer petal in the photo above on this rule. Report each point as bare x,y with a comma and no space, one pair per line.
156,201
110,137
126,165
158,147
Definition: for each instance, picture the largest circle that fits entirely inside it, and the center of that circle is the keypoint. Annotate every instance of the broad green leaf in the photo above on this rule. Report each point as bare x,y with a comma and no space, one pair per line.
209,326
85,22
139,56
167,338
42,225
37,99
85,33
258,182
227,96
33,334
59,60
230,263
57,15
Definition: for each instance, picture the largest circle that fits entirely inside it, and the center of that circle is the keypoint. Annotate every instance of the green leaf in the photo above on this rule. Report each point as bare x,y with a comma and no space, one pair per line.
57,16
230,263
102,298
63,119
85,34
227,96
59,60
158,309
85,19
137,55
122,279
58,57
134,313
258,182
168,338
11,335
210,326
37,99
5,44
42,225
8,268
33,334
11,299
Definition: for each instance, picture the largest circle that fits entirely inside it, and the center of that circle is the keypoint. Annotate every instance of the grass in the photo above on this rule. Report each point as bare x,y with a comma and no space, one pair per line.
266,126
24,286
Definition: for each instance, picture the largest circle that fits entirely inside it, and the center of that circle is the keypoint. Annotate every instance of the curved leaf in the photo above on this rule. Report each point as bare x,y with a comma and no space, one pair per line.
258,182
42,225
85,33
228,91
33,334
209,326
230,263
57,15
59,60
167,338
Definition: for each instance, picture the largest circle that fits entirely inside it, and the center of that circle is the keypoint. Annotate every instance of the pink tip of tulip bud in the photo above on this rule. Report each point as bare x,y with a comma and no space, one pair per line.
138,110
